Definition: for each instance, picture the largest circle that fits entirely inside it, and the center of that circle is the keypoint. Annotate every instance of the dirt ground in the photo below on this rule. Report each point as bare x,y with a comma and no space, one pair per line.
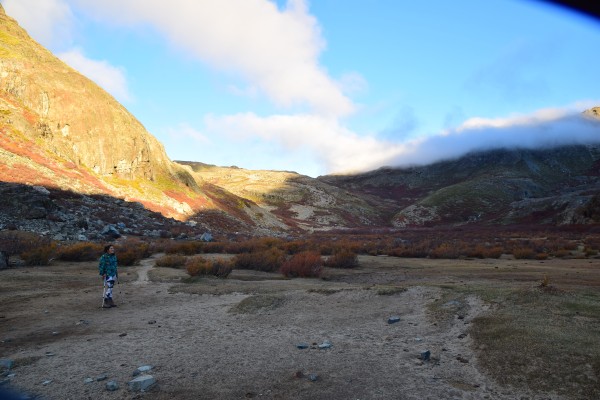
239,337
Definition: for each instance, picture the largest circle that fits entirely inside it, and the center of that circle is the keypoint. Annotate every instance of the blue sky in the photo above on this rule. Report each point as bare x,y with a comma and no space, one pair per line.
332,86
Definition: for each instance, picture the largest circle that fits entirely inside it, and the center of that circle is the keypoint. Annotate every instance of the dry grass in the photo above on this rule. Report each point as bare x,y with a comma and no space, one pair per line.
544,340
538,337
254,304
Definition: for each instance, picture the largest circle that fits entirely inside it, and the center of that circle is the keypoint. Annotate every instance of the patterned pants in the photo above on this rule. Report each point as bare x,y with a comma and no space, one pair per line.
110,282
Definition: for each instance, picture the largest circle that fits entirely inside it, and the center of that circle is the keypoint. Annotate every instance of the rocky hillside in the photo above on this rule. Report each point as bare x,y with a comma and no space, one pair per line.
59,129
76,165
552,186
295,201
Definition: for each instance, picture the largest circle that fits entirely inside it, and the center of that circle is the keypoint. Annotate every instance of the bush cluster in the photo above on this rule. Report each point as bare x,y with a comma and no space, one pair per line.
269,260
171,261
198,265
306,264
81,251
342,259
41,255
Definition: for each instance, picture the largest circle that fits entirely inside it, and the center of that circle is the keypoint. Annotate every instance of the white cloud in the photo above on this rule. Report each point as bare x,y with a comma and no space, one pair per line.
109,77
336,148
274,50
49,22
543,129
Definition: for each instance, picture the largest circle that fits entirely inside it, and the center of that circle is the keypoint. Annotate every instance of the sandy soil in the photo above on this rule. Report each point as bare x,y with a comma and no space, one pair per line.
238,338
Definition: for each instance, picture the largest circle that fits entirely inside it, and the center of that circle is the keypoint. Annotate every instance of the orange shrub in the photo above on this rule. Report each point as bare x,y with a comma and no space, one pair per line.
42,255
222,268
82,251
131,251
187,248
307,264
445,250
342,259
15,242
266,260
560,253
171,261
198,265
523,253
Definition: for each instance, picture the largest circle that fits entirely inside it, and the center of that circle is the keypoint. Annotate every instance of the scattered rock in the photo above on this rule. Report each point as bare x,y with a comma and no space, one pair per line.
425,356
325,345
206,237
3,260
123,335
462,359
141,383
452,303
111,386
6,363
101,378
462,336
46,383
152,322
143,368
302,346
88,380
110,231
393,320
313,377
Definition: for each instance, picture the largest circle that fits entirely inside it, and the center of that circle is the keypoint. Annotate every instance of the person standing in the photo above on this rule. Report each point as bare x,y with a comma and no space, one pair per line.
108,269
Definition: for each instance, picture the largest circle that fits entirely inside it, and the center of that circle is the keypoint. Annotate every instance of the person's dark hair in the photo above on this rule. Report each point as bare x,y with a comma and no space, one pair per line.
108,246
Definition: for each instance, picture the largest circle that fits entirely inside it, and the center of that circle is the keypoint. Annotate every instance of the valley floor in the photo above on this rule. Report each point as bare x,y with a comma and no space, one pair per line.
239,337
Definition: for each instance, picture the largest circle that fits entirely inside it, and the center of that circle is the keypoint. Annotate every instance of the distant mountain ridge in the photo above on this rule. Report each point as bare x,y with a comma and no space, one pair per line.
551,186
61,131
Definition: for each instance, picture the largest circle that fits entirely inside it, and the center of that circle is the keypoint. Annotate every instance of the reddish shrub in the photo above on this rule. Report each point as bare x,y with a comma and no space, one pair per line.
171,261
82,251
445,250
42,255
307,264
267,260
198,265
342,259
186,248
524,253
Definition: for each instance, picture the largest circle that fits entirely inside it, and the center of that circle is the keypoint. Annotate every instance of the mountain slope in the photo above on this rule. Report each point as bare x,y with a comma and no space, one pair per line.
59,129
500,186
297,201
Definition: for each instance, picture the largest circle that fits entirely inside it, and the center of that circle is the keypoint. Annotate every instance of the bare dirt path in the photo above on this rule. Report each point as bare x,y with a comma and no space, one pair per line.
240,344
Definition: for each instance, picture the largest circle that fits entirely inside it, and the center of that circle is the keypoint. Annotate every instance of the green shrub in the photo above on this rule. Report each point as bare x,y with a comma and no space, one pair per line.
306,264
342,259
82,251
171,261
